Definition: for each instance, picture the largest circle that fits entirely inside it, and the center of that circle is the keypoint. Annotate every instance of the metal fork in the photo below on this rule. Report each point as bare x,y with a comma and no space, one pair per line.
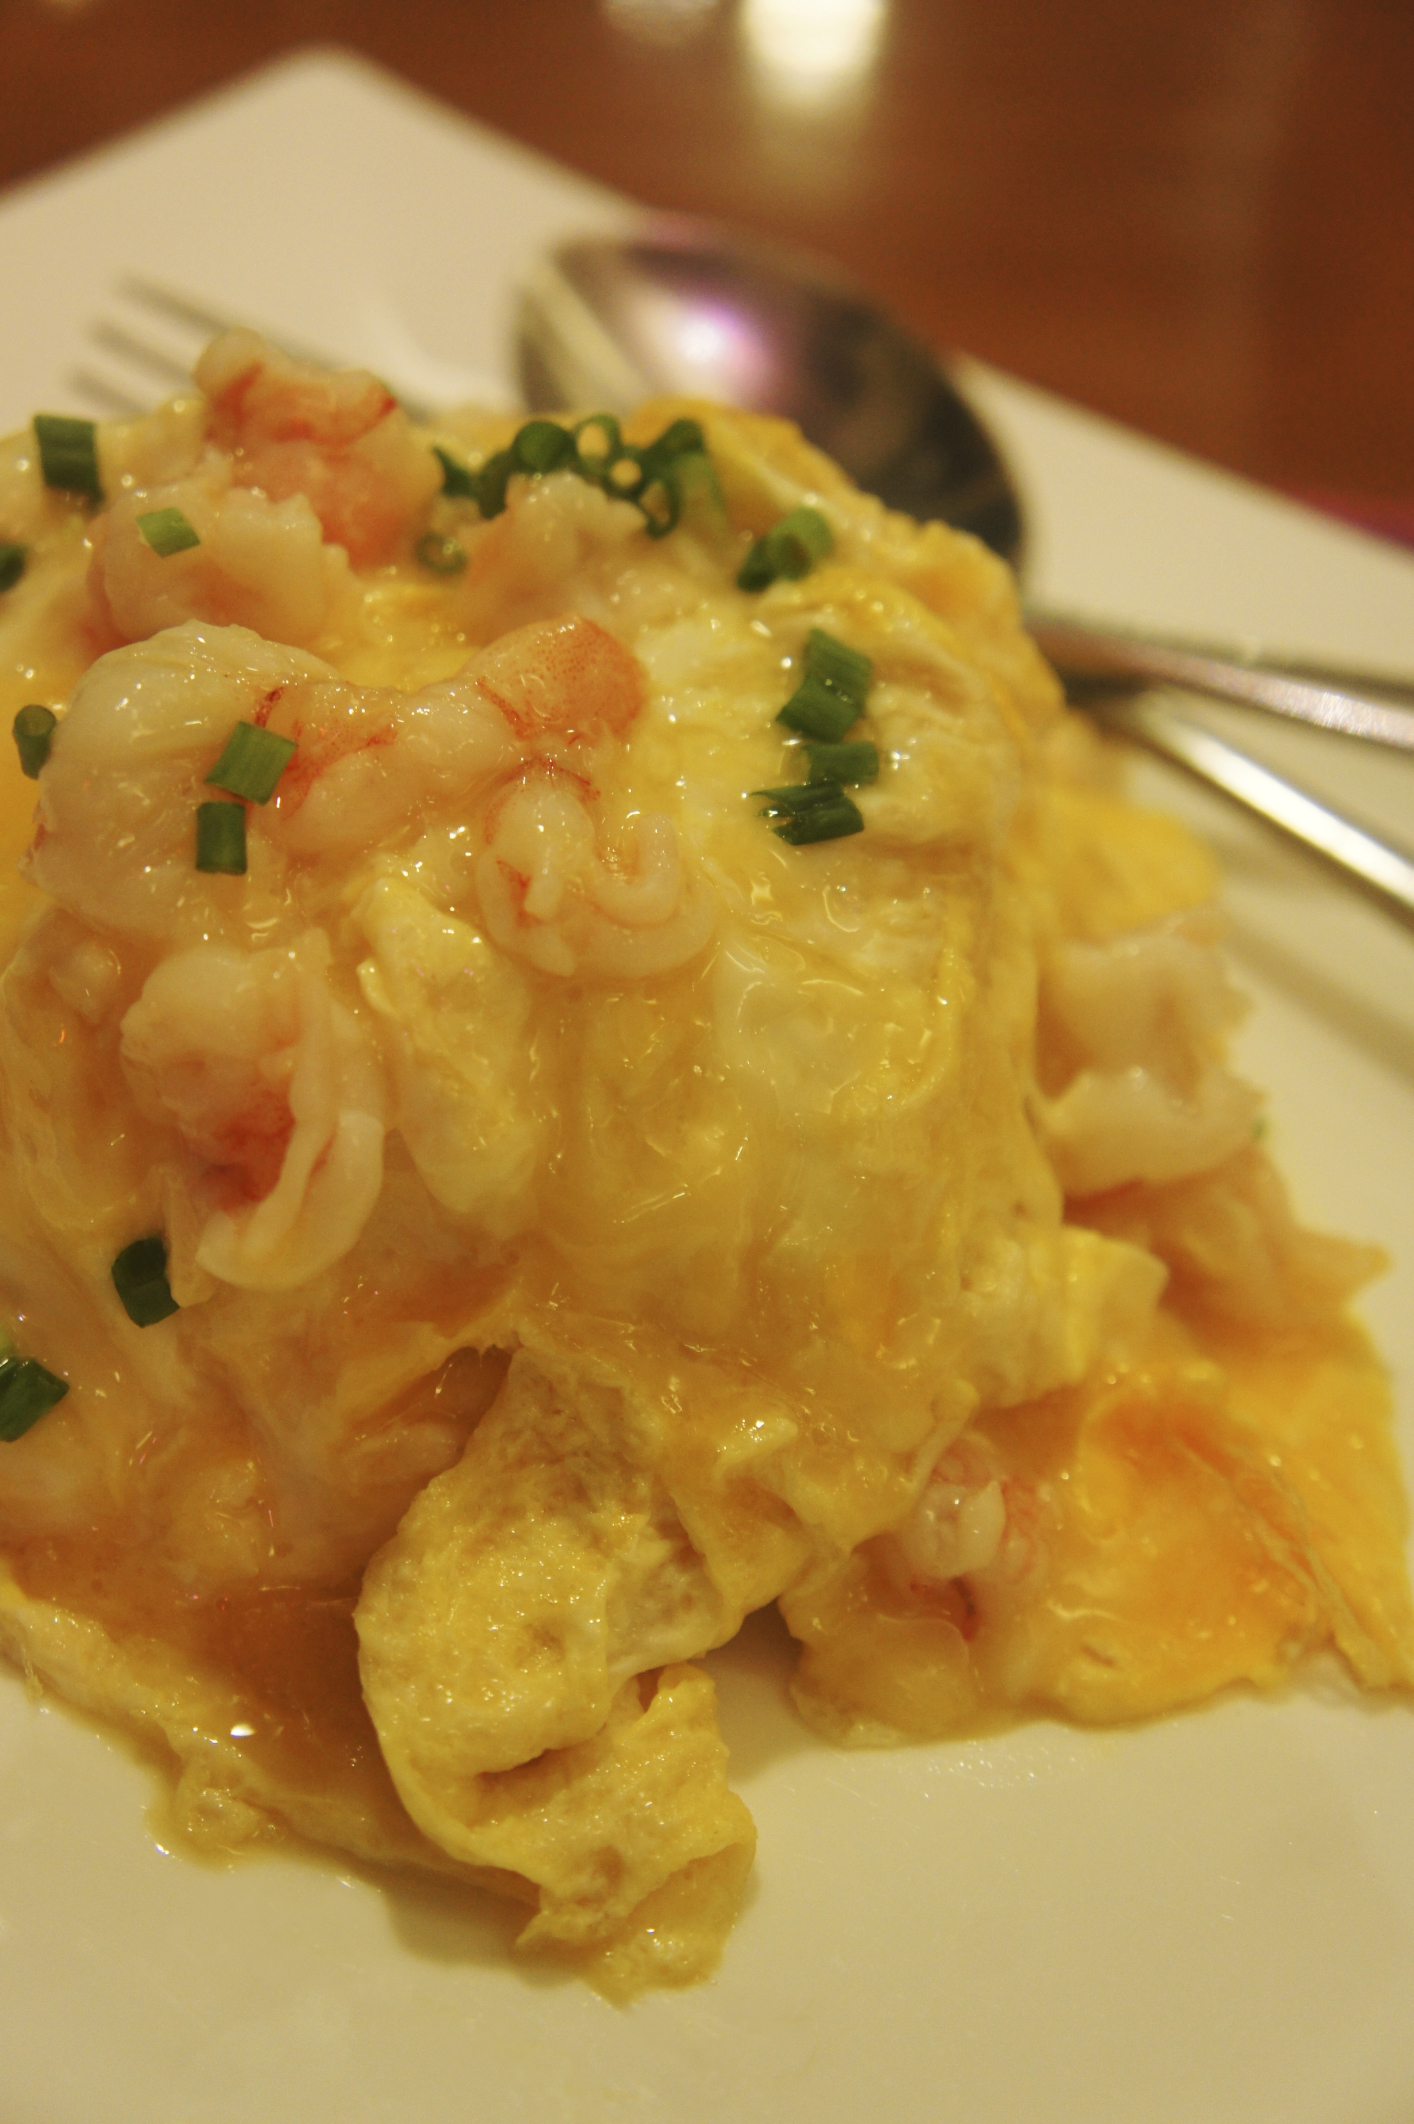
149,347
151,340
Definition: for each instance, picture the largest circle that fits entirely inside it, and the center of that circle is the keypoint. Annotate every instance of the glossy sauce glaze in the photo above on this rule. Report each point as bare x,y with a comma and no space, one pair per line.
592,1210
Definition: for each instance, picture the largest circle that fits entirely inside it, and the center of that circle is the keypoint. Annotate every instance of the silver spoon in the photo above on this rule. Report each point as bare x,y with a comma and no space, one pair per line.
681,307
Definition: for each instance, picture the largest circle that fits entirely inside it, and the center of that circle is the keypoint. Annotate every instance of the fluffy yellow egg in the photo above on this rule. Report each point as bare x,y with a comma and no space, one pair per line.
579,1158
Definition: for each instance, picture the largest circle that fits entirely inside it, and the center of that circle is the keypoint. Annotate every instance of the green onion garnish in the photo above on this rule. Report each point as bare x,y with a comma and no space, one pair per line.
654,477
660,500
832,693
595,457
812,811
795,796
252,764
27,1392
817,711
844,763
444,556
12,563
140,1279
220,838
830,697
68,454
681,438
491,483
33,728
167,531
662,466
541,446
790,549
669,466
458,480
834,663
623,475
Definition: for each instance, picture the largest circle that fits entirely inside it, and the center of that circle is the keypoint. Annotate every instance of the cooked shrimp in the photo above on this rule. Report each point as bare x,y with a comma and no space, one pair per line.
553,888
127,766
547,703
959,1520
550,896
118,796
276,1097
973,1521
340,439
553,530
562,681
258,563
372,760
1136,1023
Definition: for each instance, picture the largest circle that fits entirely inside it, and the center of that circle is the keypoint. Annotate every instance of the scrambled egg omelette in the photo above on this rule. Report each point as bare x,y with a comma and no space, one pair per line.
588,1047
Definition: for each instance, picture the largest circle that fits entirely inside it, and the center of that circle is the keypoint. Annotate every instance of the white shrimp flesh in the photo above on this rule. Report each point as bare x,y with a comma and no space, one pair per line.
275,1095
256,563
338,438
1138,1023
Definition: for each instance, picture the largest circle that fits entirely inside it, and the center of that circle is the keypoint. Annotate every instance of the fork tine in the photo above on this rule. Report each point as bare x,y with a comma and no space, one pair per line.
158,334
104,397
168,303
140,352
182,310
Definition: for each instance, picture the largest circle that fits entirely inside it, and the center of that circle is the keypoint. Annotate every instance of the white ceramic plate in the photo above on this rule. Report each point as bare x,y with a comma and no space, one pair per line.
1207,1921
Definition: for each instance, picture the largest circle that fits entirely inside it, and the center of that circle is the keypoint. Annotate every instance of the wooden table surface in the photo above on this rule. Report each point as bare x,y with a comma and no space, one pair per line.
1194,215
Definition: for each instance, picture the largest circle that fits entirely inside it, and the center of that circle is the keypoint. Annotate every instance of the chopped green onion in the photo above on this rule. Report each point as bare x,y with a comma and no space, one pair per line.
220,838
790,549
12,563
27,1392
844,763
661,466
674,466
167,531
252,763
140,1279
593,463
444,556
655,477
812,811
817,711
795,796
541,445
830,823
623,475
458,480
823,825
681,438
828,700
33,727
834,663
68,454
660,499
491,483
831,695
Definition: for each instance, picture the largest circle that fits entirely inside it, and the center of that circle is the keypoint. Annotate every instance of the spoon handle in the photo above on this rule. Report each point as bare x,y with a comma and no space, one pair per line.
1090,653
1383,873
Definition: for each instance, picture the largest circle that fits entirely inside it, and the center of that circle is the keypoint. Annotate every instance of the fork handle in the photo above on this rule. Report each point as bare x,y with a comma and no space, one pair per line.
1383,874
1093,653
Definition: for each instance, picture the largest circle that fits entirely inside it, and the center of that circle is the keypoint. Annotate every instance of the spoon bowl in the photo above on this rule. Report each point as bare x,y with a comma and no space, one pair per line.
683,308
686,308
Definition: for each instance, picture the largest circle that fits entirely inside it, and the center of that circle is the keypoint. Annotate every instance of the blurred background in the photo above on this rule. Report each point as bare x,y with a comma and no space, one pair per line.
1196,216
